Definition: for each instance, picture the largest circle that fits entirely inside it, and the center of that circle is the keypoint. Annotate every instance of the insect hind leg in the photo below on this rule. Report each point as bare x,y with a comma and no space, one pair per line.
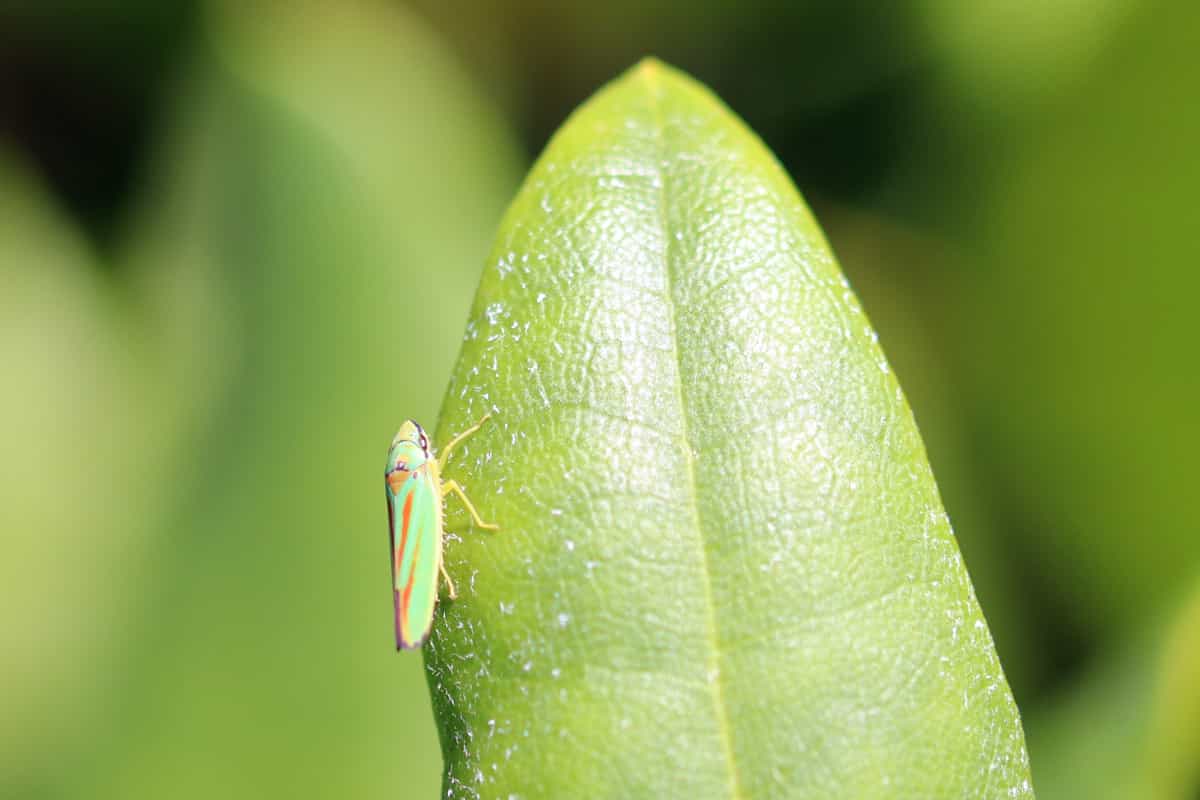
445,456
452,487
450,590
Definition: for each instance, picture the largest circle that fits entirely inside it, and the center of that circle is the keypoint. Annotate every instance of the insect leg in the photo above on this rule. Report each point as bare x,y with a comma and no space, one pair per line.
449,583
452,487
445,456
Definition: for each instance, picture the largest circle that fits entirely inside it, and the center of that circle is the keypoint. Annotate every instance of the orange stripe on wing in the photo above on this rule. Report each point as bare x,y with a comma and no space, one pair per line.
404,517
412,578
408,591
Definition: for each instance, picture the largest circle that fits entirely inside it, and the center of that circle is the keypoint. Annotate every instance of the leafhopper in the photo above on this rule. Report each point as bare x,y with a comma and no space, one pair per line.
416,496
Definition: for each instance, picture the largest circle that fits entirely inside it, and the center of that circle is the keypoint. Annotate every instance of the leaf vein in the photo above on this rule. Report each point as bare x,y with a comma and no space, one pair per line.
714,661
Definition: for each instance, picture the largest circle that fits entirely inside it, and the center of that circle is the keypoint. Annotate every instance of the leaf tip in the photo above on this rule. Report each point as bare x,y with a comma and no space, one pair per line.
649,65
652,69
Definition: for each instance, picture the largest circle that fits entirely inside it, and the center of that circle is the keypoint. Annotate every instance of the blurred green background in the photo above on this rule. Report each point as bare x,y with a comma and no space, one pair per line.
209,210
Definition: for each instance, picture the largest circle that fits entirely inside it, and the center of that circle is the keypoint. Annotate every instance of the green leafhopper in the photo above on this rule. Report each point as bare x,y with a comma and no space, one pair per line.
416,496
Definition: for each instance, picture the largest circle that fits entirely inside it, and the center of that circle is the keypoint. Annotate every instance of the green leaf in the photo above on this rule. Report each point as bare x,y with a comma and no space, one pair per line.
723,569
887,263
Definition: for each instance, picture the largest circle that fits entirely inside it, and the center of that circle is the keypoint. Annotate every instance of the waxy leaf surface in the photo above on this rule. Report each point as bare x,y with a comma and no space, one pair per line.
723,568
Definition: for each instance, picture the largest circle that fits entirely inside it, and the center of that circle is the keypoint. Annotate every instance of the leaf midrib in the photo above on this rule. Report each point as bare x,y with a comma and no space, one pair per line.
649,72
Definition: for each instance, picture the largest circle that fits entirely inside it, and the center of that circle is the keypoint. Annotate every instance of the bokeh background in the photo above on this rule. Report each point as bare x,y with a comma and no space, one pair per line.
212,213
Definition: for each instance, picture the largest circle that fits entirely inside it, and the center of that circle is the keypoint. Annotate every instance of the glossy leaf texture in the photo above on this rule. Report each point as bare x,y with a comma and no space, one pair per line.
723,568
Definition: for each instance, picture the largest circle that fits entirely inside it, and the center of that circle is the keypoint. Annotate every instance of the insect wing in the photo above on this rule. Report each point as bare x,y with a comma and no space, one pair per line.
413,506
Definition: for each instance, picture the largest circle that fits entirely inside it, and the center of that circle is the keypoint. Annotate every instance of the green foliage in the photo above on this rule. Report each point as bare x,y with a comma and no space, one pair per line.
251,652
721,542
59,342
1084,314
